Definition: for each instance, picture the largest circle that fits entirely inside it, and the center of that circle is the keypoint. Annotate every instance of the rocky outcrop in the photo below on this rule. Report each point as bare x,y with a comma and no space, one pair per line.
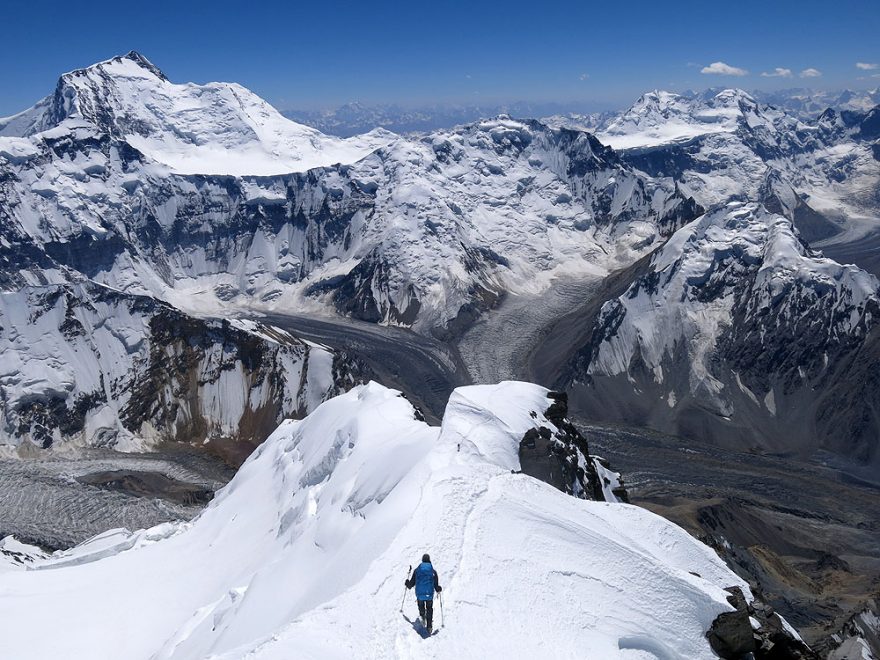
560,456
755,631
858,638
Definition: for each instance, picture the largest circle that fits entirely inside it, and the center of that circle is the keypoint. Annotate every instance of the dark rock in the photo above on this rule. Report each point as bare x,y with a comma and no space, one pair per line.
561,456
731,634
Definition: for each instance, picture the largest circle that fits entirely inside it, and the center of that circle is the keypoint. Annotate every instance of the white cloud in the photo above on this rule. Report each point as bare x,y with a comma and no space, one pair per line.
722,69
866,66
584,76
810,73
778,72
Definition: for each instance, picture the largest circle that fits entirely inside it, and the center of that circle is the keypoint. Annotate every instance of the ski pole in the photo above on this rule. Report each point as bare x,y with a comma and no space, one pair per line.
403,600
441,608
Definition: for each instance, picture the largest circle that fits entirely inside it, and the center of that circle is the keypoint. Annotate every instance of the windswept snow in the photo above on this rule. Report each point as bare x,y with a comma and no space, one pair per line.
305,552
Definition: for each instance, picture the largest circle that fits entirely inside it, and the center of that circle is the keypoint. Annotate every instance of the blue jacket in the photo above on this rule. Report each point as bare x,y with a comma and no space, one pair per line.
425,580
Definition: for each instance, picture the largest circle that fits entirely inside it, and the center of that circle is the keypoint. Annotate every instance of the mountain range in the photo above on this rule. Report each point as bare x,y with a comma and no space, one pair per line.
181,263
355,118
101,188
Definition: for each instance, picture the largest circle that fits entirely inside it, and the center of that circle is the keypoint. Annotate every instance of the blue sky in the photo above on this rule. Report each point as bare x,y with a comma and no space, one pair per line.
316,54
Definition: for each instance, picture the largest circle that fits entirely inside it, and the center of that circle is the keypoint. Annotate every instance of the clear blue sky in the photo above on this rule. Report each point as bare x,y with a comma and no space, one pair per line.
322,53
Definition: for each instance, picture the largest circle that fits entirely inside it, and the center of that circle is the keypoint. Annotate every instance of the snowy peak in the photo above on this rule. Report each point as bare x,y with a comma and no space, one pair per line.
130,65
87,94
661,118
217,128
734,97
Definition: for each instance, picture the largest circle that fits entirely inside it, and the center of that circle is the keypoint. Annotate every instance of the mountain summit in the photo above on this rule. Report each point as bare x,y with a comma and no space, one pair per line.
217,128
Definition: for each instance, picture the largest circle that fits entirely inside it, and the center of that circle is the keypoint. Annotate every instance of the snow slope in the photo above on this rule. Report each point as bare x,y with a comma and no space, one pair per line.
305,552
218,128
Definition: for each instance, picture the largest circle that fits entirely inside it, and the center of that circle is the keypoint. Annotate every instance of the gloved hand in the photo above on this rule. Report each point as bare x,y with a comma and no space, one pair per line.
438,588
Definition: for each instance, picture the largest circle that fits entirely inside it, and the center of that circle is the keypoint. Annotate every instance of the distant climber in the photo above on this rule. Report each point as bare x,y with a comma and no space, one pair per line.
426,582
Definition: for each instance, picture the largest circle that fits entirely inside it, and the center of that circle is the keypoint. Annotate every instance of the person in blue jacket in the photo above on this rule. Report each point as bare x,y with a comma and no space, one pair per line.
426,582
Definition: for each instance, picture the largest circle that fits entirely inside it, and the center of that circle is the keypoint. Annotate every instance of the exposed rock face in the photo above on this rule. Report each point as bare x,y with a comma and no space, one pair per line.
89,365
561,456
731,633
740,333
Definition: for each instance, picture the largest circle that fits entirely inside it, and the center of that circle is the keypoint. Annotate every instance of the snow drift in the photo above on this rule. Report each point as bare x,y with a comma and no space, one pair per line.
305,552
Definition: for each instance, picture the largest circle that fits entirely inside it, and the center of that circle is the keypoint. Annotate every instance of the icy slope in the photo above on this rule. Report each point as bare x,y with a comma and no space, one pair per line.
738,321
218,128
304,554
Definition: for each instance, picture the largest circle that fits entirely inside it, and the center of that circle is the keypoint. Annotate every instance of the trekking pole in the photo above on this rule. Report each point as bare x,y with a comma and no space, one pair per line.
403,600
441,608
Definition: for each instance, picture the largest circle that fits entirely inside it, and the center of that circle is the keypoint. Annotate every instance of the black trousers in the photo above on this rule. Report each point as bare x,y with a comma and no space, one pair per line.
426,609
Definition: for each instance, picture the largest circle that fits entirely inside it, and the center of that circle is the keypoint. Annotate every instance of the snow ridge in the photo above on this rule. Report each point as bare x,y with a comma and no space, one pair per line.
330,511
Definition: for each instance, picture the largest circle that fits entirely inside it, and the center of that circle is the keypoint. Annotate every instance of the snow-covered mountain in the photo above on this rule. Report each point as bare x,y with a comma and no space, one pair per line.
87,365
305,552
418,232
123,188
112,181
738,331
729,146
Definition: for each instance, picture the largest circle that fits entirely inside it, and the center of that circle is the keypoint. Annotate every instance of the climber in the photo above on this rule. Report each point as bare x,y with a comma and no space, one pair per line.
426,582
